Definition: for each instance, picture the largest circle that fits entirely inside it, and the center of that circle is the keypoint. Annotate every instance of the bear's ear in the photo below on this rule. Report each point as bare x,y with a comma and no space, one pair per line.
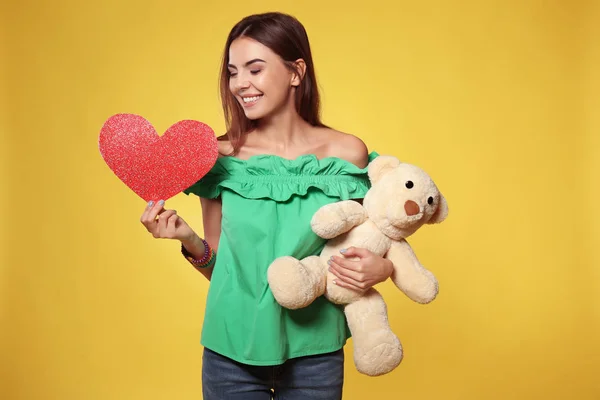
441,213
381,166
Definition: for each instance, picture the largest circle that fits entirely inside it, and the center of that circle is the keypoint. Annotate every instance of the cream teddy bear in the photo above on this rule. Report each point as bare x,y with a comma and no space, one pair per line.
401,199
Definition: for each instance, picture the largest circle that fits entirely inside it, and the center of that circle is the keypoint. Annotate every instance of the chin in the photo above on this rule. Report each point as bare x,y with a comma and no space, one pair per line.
252,113
256,114
253,116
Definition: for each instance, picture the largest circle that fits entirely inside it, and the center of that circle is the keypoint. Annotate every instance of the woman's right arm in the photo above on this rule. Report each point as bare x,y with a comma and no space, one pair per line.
163,223
211,219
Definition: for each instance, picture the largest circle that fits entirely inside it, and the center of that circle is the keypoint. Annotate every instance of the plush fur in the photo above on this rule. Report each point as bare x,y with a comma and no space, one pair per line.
401,200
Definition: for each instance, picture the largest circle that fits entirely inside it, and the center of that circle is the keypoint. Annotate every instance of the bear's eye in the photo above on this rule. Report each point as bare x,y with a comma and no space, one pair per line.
409,184
430,200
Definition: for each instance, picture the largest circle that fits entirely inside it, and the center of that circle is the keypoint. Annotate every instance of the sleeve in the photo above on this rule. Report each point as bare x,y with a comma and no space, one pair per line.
209,187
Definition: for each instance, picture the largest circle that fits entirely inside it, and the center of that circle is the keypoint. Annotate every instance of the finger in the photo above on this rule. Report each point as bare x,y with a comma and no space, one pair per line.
172,223
151,220
342,272
155,210
144,216
355,252
357,280
150,216
348,264
348,285
162,221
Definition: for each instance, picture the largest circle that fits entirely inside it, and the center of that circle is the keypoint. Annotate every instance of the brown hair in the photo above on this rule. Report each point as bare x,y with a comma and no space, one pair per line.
286,37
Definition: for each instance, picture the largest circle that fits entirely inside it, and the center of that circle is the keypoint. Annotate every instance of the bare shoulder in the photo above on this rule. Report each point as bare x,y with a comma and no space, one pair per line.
348,147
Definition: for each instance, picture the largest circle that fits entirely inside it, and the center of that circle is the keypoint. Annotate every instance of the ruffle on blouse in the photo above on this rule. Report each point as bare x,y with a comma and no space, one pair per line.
276,178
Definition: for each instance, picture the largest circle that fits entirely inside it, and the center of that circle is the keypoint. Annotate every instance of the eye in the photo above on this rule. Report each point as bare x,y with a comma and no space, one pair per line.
254,72
430,200
232,74
409,184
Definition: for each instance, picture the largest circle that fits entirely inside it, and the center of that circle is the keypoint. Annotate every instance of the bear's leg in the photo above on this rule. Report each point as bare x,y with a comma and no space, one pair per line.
294,283
377,350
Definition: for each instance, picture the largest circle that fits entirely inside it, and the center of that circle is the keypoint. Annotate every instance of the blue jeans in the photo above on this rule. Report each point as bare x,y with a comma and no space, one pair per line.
318,377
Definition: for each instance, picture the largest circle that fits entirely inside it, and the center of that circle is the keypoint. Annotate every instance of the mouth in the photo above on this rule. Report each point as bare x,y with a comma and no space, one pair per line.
250,100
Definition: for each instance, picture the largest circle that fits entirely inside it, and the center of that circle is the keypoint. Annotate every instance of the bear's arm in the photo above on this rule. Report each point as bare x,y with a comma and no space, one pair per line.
333,219
419,284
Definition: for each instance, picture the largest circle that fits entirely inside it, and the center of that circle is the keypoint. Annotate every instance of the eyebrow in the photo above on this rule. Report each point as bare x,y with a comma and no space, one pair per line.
247,63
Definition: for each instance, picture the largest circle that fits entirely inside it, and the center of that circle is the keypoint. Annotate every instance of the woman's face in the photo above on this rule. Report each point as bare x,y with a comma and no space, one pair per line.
259,79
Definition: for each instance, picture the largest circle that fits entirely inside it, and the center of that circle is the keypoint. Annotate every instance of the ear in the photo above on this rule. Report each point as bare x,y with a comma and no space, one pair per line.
381,166
299,71
441,213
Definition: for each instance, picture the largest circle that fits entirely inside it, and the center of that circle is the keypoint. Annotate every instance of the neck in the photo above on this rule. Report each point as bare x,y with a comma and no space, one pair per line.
284,129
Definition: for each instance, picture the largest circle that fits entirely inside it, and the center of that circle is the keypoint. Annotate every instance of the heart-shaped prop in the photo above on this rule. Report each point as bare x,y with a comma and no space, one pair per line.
157,167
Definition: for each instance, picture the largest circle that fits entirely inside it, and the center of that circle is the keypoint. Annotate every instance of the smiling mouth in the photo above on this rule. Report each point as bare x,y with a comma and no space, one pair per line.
250,100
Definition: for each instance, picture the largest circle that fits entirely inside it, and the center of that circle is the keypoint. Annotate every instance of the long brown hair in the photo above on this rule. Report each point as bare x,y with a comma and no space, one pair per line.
286,37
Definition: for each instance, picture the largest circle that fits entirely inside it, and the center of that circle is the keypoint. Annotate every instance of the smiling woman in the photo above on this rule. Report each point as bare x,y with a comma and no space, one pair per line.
279,165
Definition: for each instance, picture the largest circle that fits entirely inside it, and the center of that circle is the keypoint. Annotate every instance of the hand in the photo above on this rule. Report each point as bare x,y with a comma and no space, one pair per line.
362,274
165,224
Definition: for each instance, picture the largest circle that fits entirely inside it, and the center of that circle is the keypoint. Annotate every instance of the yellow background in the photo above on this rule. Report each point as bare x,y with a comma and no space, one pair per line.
497,100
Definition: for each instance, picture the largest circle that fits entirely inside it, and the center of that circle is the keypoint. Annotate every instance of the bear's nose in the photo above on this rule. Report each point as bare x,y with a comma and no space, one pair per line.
411,208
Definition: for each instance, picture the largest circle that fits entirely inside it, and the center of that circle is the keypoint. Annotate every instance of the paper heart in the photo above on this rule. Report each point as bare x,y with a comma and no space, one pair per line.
157,167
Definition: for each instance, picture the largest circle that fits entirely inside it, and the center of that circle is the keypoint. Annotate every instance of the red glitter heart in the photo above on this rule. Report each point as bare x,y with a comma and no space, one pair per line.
157,167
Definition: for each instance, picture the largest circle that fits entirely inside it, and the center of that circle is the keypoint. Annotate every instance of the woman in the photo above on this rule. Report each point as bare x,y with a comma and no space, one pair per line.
279,163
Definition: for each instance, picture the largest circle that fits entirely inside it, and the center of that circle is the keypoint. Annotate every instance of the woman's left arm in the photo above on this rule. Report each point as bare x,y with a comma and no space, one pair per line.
369,269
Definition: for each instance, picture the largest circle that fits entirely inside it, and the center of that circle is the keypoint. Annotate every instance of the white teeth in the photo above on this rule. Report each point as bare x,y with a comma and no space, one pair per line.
249,99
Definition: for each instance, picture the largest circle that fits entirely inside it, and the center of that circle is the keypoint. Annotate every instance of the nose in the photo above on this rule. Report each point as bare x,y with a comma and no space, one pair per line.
411,208
242,84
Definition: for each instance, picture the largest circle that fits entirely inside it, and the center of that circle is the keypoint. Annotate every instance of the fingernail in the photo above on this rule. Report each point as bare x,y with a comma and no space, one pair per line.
335,282
161,202
150,203
329,262
343,251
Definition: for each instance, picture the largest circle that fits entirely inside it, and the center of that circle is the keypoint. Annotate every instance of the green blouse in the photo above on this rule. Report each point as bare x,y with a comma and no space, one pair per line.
267,204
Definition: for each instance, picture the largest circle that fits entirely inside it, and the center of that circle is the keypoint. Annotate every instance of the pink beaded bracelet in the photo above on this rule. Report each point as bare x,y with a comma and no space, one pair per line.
207,259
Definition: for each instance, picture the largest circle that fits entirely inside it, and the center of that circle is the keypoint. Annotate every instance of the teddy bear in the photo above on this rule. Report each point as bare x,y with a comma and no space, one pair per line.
401,199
